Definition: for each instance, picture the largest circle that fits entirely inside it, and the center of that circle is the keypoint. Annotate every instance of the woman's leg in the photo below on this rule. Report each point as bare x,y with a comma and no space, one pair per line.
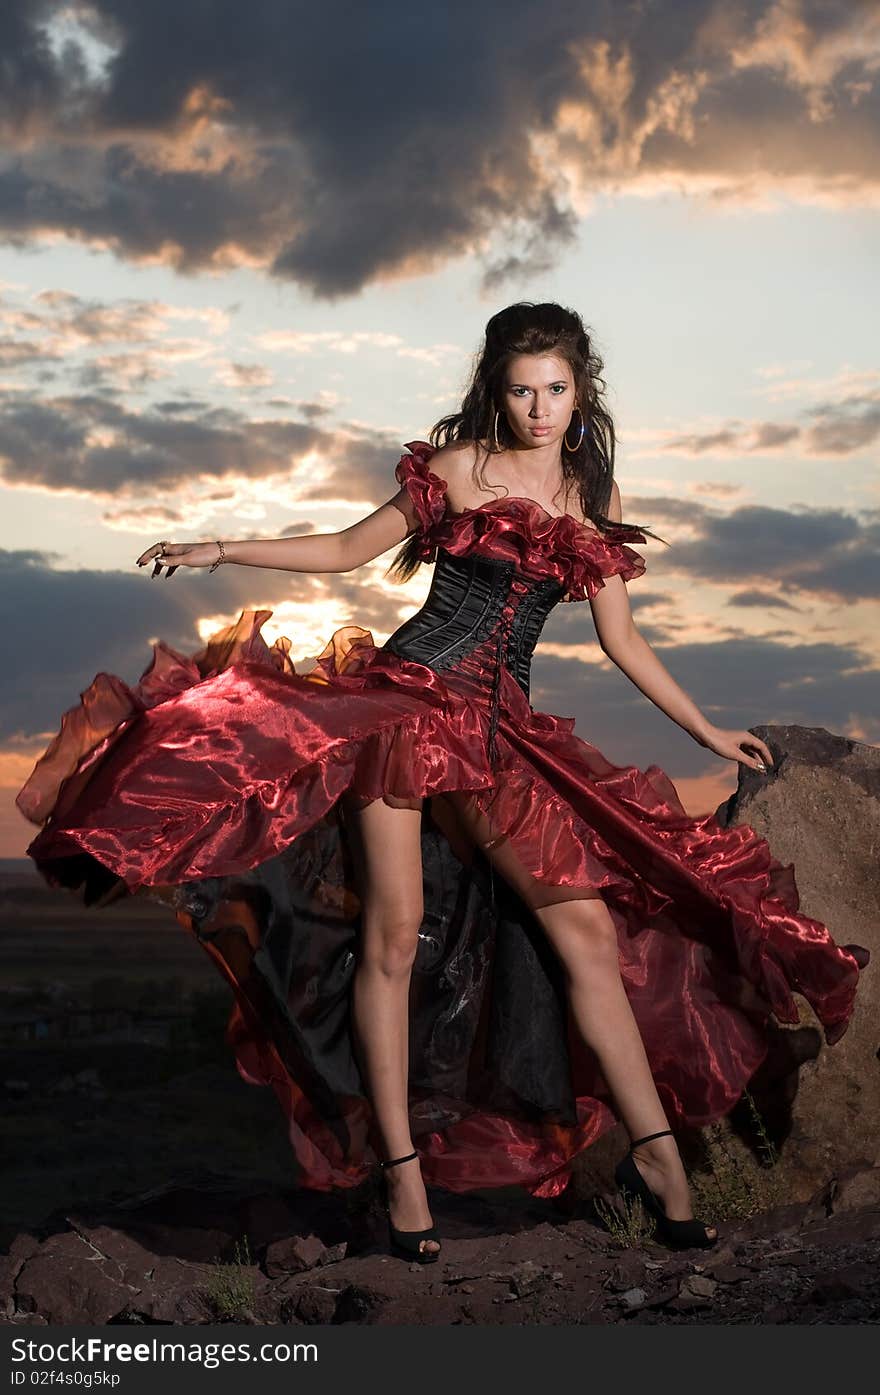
386,847
583,934
585,939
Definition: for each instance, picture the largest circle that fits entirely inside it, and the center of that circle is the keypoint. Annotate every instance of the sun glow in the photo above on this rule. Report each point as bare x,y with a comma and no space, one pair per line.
308,624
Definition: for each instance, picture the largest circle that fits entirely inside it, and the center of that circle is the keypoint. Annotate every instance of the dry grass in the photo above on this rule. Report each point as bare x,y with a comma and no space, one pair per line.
628,1223
734,1181
229,1287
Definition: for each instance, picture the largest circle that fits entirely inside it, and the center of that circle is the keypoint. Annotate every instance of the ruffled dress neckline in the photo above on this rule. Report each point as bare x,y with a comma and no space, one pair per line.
519,529
529,508
539,518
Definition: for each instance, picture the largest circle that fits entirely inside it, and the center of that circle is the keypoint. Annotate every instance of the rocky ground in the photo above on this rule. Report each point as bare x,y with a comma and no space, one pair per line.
198,1251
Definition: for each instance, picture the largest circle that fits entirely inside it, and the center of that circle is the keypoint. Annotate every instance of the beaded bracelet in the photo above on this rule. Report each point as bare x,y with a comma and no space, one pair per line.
222,558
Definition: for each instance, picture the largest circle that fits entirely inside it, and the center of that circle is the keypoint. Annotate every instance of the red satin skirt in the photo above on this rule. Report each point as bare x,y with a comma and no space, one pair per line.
224,783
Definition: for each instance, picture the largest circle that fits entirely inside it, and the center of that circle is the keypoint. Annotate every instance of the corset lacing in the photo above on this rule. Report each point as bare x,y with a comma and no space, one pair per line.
491,655
492,743
502,635
494,701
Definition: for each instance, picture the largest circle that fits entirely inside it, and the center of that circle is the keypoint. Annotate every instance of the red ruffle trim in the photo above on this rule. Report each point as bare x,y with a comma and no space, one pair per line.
107,707
520,530
426,490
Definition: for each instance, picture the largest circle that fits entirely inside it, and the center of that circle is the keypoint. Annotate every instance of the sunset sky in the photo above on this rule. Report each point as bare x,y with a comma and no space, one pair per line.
246,252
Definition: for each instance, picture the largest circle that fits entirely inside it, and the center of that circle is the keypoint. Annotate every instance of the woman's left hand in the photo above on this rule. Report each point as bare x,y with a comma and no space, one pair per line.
729,744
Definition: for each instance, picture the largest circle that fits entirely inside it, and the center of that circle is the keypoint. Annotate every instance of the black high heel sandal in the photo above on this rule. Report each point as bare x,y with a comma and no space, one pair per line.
680,1235
406,1244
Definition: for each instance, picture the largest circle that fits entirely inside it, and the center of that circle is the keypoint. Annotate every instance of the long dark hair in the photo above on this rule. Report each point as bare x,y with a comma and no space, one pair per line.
530,328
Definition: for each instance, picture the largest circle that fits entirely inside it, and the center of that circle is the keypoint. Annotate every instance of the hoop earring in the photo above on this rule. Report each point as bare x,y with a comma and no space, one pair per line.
495,431
572,449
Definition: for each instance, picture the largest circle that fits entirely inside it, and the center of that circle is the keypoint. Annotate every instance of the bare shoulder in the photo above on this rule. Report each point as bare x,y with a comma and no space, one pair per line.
454,463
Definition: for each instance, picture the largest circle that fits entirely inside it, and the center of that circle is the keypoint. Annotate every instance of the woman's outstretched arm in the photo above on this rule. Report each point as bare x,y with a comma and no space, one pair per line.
630,651
343,551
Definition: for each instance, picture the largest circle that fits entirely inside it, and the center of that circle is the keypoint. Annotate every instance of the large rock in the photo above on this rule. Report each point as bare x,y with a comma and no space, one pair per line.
819,809
92,1274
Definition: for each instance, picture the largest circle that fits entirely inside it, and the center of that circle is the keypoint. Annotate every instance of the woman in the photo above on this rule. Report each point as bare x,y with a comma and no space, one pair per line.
441,912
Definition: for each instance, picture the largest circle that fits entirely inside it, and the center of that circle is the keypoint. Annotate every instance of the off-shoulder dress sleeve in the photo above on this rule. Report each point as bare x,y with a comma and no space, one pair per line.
426,490
617,559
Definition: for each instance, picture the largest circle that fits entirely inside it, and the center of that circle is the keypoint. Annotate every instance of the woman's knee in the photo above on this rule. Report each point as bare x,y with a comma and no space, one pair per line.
582,932
390,934
386,845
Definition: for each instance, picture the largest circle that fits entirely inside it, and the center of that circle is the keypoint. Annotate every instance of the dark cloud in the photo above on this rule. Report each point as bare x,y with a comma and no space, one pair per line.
755,599
824,551
697,443
771,435
53,443
827,551
843,427
32,84
180,407
338,144
95,445
831,428
312,411
658,510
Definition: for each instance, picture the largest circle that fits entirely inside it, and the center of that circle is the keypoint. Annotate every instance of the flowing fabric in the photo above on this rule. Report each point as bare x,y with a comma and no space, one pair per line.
220,783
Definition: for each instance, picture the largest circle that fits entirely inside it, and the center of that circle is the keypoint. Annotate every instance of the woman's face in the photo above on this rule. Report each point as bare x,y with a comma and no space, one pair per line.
538,398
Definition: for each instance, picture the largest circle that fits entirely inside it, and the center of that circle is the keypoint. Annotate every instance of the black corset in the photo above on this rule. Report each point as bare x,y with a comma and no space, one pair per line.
464,607
470,599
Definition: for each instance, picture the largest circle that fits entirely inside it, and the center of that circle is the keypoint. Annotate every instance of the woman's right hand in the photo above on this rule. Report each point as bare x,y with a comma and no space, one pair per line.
174,555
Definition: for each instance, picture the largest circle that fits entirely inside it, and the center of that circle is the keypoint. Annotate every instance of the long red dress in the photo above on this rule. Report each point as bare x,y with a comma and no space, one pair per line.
215,785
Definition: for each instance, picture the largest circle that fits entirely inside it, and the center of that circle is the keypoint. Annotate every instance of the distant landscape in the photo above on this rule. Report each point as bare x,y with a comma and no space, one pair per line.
115,1075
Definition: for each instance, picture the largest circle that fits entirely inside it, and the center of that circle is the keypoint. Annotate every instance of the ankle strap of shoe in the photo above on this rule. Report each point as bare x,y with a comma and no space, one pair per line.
648,1136
392,1162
